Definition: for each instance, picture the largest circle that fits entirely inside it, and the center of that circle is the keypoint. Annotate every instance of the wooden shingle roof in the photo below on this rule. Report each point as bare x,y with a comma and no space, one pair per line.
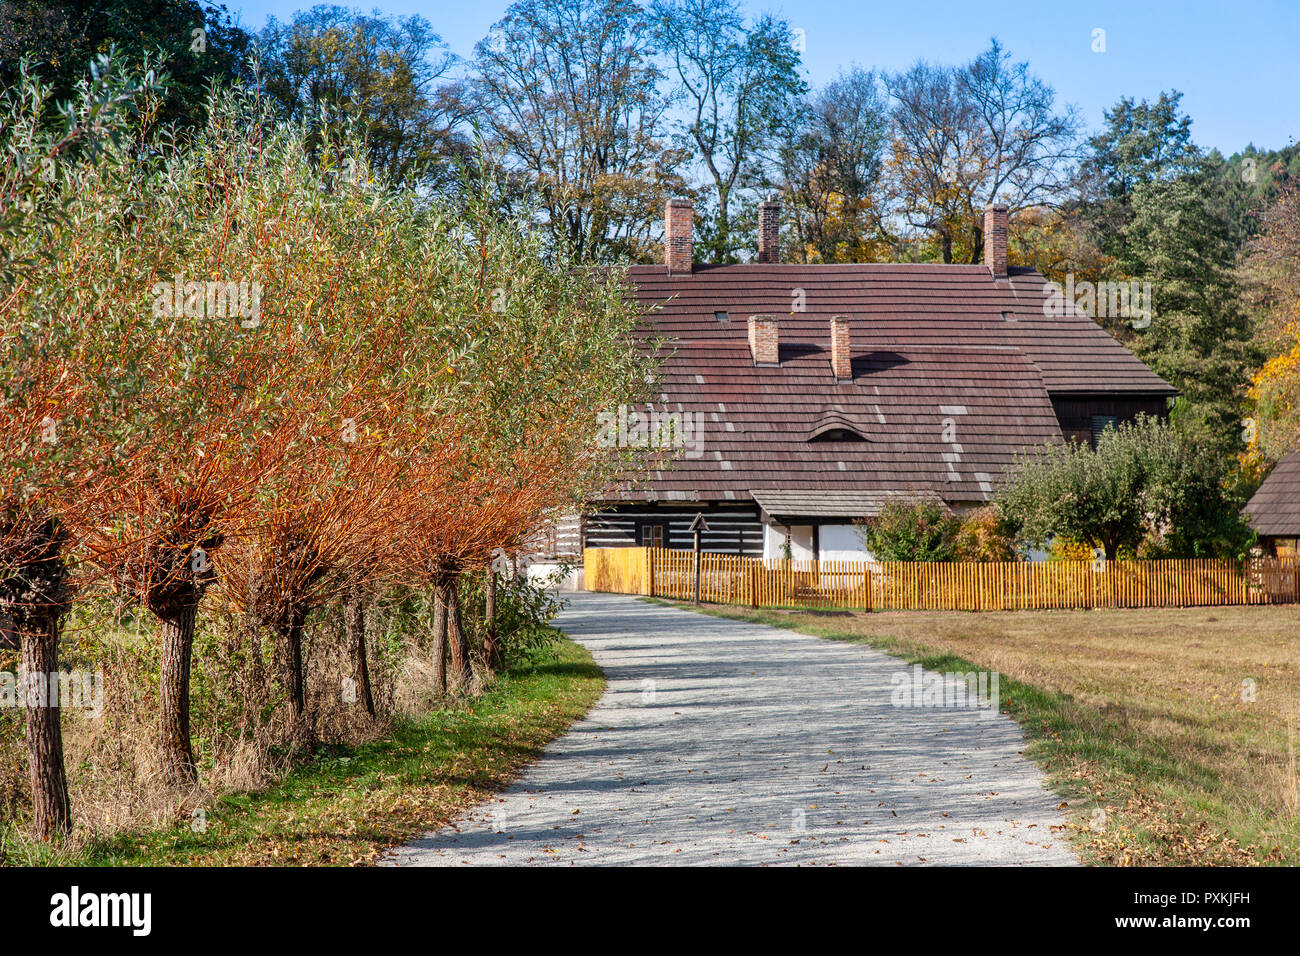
943,419
952,378
1274,510
893,306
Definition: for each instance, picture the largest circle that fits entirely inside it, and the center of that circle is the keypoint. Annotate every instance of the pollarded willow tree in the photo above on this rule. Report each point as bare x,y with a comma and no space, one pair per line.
64,387
282,377
538,346
194,450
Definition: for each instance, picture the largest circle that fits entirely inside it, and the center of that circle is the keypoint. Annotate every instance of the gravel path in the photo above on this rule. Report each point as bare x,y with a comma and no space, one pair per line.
720,742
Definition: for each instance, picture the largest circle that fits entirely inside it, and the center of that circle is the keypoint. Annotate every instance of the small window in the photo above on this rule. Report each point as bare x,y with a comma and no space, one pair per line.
653,535
837,434
720,316
1008,317
1099,424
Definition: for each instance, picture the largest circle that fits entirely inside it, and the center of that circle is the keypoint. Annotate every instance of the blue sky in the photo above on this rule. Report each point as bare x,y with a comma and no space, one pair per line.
1237,64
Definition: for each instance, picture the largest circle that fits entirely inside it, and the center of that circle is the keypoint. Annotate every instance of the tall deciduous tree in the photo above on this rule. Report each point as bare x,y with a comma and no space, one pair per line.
737,85
568,90
1272,276
967,136
198,42
830,164
391,75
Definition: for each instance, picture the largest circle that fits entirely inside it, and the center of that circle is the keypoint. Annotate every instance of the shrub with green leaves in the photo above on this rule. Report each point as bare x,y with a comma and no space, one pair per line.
1147,488
525,608
914,528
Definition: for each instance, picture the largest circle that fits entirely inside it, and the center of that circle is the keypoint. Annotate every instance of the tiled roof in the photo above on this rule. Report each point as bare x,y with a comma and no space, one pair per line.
944,419
1274,509
951,379
893,306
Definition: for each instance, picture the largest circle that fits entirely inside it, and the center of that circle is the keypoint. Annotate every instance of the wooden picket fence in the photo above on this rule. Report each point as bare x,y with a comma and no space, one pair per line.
942,586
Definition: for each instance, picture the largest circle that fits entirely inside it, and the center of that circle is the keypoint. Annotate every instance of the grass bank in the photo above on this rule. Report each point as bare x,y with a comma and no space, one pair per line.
347,806
1178,725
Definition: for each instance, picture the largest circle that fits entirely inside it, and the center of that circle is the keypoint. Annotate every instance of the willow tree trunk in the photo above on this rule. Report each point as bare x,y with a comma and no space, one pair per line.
294,680
174,693
460,677
439,642
354,626
52,811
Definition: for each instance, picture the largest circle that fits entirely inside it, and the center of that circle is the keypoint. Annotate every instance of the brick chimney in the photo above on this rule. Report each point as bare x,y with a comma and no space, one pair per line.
769,231
679,250
995,239
765,339
841,353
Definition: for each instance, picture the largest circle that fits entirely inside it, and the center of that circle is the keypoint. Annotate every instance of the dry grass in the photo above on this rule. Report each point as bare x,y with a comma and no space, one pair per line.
1144,713
239,720
350,804
366,784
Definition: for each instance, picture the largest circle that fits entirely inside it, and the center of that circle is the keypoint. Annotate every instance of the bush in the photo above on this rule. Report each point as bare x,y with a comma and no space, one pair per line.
911,529
984,535
525,608
1147,489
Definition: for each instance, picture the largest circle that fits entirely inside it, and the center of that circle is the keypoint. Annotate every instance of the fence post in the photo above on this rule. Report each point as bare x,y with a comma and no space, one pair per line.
650,572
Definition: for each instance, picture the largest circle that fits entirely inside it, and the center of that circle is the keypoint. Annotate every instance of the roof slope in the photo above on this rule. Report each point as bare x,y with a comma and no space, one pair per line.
952,377
947,419
898,306
1274,510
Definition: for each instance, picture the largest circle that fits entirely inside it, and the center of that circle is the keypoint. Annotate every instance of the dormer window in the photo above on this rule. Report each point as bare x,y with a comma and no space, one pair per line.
836,434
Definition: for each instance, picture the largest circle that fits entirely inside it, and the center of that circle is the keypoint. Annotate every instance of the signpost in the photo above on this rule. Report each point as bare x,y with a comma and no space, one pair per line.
698,525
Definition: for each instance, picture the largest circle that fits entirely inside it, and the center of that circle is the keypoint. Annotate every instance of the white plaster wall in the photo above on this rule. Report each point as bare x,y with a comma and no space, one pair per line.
840,542
573,581
800,542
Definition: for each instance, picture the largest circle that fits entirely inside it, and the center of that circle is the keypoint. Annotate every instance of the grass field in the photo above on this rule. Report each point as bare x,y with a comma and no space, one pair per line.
1145,714
346,807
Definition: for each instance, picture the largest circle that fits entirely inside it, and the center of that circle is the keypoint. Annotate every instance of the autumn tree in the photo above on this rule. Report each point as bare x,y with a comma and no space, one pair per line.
736,84
390,75
568,91
967,136
539,345
189,453
1272,282
830,162
66,385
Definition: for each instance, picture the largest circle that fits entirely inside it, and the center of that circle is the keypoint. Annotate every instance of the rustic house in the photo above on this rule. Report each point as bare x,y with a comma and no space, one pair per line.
1274,510
805,395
